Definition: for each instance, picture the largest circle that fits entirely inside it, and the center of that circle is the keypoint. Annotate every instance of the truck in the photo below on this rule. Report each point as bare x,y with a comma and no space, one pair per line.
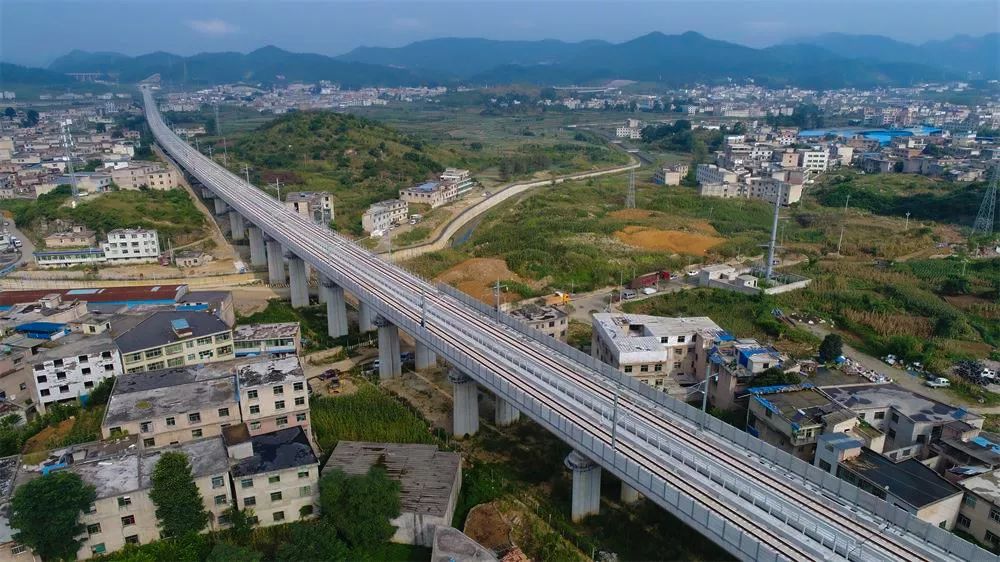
938,382
648,279
557,298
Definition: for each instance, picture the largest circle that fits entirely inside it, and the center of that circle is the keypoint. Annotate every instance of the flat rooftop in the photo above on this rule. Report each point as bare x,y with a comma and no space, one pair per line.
985,485
207,457
806,407
909,480
538,313
73,345
639,336
250,332
426,475
157,394
278,450
917,407
259,371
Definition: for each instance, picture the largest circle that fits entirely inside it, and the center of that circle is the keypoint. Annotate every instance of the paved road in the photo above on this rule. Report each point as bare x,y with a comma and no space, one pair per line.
27,248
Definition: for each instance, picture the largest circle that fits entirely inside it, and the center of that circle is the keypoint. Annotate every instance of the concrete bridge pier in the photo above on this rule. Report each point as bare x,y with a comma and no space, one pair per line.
297,281
336,309
275,263
389,364
465,396
220,206
424,358
505,414
629,494
237,226
586,485
258,251
206,193
366,319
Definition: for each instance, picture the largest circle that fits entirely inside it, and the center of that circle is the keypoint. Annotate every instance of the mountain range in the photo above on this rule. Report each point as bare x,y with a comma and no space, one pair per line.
824,61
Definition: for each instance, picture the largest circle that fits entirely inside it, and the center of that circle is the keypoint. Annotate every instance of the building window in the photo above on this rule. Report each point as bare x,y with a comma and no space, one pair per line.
204,341
171,422
220,500
880,415
254,409
246,483
149,442
249,501
894,417
132,539
279,404
298,387
681,339
300,401
644,369
218,481
963,521
254,426
281,421
98,549
42,379
276,496
305,491
300,417
274,479
145,427
223,412
194,418
128,520
252,394
969,500
279,515
995,514
279,390
303,474
306,510
196,433
18,549
92,508
124,502
44,392
891,434
224,519
94,529
628,368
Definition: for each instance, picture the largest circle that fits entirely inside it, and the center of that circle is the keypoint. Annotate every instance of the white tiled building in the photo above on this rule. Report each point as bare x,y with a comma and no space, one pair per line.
384,214
72,367
132,244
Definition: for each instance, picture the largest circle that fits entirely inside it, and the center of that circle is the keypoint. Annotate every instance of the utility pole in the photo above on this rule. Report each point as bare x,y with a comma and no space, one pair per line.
769,270
225,153
277,185
246,170
497,291
907,226
843,223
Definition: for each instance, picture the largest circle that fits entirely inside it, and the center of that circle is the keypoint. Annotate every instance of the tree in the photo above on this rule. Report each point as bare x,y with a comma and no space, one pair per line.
10,113
313,541
360,507
225,552
831,348
46,514
178,502
956,285
774,376
905,346
30,118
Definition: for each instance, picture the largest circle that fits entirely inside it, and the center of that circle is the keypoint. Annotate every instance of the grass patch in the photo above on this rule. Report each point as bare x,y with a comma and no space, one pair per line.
370,414
412,236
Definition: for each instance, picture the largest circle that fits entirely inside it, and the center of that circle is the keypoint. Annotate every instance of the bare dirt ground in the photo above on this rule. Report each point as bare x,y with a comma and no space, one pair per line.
675,241
488,527
478,276
429,392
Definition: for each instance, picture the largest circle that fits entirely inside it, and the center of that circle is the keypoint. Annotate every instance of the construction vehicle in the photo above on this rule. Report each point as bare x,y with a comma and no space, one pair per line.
557,298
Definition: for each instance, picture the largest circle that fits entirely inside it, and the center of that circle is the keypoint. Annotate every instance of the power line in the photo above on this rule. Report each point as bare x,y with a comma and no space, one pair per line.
987,209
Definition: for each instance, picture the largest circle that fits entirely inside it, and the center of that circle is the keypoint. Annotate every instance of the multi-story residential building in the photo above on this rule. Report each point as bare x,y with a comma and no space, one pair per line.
149,175
461,179
979,514
712,174
793,417
731,365
663,352
767,188
625,132
132,245
815,160
168,339
278,339
70,367
909,420
172,406
74,237
274,474
550,320
316,206
430,193
670,175
88,182
907,484
15,381
272,394
380,216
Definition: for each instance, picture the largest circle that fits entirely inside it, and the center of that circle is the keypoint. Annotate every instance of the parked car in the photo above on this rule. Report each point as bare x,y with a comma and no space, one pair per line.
938,382
648,291
628,294
330,374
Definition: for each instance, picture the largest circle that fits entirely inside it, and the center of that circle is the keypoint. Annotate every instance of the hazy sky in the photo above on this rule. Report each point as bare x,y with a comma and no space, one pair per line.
35,32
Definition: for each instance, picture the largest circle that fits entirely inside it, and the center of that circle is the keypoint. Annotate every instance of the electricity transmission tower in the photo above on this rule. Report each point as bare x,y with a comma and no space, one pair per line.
68,147
630,195
987,210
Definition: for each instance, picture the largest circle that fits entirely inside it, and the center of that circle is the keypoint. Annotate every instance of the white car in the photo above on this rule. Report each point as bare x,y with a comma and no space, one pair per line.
938,382
648,291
